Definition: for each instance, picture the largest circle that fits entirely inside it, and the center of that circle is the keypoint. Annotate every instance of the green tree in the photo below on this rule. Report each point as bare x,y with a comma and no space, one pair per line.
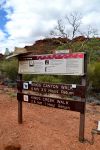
94,76
7,52
9,68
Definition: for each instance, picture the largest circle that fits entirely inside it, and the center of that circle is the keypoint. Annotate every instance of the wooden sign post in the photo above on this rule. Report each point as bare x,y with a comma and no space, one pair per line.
19,101
58,64
82,115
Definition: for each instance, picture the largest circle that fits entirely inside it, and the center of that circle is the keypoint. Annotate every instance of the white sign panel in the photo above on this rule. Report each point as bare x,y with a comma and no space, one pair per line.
99,125
62,51
25,98
62,64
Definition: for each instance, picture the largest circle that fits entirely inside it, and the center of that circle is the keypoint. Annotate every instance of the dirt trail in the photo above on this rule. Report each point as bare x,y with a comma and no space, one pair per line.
44,128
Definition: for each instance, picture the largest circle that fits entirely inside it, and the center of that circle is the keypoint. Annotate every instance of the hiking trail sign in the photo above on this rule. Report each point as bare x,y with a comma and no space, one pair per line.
54,64
61,64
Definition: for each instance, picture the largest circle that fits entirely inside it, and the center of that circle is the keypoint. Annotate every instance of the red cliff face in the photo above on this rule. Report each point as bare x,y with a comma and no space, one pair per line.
46,46
79,39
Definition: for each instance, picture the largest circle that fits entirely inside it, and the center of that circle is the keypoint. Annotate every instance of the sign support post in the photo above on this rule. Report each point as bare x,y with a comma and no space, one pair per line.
82,115
82,126
20,102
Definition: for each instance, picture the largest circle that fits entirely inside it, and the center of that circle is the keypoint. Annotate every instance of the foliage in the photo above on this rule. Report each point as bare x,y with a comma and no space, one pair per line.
9,68
70,79
64,46
94,77
91,47
28,77
47,78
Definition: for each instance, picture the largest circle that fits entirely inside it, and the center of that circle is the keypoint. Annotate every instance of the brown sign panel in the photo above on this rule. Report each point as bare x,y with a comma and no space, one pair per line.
64,89
66,104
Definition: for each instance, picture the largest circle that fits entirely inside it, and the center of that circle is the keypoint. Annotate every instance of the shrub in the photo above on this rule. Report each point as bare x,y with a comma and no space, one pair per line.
94,75
46,78
9,68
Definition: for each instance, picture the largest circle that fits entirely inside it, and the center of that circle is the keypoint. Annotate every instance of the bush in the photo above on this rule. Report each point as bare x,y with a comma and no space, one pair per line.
28,77
9,69
94,75
46,78
68,79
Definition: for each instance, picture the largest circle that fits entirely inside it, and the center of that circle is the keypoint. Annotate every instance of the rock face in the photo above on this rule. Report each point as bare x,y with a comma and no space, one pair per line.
79,39
49,45
46,46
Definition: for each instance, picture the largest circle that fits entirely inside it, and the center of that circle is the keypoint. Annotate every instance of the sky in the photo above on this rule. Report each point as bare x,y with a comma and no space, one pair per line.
22,22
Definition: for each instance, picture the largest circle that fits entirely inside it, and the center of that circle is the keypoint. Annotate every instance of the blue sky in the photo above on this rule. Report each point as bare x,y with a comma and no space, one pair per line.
3,19
24,22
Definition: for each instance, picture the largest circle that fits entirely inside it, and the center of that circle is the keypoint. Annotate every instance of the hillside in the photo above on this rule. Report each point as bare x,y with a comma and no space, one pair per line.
80,43
50,44
46,46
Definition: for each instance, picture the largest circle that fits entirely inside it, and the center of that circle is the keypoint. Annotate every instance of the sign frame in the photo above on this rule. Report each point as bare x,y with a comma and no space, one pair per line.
54,64
27,85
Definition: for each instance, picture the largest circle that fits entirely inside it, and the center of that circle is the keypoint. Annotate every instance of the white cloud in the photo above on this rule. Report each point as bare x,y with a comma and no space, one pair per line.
91,18
29,20
2,35
2,2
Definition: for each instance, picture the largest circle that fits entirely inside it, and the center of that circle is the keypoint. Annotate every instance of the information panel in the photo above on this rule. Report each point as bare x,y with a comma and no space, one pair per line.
62,64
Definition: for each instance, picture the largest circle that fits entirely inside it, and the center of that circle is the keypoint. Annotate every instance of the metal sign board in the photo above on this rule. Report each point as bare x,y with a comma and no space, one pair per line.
61,64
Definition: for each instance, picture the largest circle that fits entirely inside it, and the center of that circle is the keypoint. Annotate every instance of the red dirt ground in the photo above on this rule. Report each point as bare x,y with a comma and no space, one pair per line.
45,128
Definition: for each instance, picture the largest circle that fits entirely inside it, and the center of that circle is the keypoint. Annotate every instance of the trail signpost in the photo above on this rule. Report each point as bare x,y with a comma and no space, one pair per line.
54,64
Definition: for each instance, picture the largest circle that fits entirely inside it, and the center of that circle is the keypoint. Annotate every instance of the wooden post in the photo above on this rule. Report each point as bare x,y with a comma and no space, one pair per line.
20,103
82,115
82,126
